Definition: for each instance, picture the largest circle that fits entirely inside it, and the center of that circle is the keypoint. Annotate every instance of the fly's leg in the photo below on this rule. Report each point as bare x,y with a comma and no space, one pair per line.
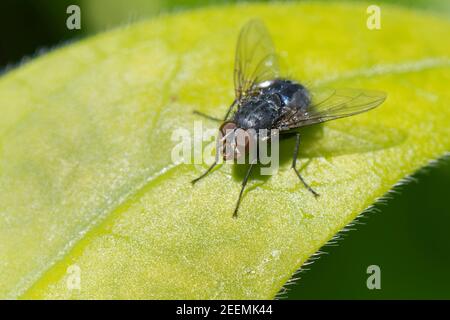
214,118
294,166
217,152
216,160
205,173
207,116
244,183
229,110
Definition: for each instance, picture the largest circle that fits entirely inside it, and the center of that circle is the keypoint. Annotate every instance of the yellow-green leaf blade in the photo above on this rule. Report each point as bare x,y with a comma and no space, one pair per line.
86,176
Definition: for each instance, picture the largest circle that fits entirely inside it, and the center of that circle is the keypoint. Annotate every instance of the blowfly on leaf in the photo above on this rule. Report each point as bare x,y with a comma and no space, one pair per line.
265,100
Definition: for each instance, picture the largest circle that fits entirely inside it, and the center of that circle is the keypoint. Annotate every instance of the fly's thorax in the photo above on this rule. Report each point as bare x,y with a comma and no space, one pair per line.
258,112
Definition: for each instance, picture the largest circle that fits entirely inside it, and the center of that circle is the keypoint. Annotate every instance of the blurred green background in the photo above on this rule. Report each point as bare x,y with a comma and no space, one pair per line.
407,238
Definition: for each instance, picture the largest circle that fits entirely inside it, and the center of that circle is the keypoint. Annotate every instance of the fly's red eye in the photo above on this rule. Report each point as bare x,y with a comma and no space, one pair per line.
227,137
227,127
242,142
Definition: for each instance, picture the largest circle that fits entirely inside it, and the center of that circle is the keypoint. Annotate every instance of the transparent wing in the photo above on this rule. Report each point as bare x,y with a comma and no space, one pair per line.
255,59
329,104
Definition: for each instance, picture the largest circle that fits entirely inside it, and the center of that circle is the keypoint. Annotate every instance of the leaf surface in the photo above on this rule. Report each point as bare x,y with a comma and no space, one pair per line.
87,180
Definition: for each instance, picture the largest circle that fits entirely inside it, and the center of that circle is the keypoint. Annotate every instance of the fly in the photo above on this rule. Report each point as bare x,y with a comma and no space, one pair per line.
264,100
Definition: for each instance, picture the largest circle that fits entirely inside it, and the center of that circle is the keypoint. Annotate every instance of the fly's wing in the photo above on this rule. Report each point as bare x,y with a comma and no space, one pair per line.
329,104
255,59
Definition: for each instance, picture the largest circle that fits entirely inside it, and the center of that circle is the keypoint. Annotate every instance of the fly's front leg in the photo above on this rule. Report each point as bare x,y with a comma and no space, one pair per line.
229,110
207,116
205,173
294,166
217,149
216,160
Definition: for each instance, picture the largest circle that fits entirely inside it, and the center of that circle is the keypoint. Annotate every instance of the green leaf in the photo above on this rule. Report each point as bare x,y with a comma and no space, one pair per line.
86,177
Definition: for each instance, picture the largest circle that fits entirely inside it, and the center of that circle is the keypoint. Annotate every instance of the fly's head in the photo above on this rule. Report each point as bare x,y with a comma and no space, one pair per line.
234,142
